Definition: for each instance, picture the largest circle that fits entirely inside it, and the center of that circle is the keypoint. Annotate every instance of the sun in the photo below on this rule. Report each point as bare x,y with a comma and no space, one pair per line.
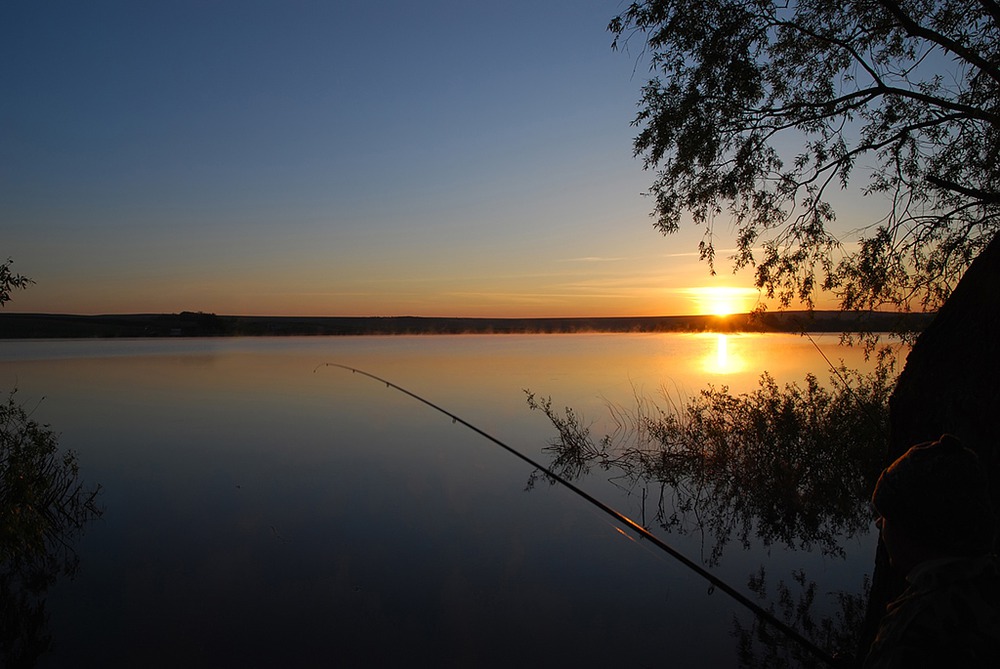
722,301
721,307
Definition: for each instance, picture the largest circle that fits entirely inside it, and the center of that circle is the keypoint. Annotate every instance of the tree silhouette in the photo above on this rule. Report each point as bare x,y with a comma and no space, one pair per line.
761,110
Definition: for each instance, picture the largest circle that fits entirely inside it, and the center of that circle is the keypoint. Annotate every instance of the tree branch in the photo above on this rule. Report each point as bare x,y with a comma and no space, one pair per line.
899,133
838,42
881,86
992,8
868,94
916,30
991,197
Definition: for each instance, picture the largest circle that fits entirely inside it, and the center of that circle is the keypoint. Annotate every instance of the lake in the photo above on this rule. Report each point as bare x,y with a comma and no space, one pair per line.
261,509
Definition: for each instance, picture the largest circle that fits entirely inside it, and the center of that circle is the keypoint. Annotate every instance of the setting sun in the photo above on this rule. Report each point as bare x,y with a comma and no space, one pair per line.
722,300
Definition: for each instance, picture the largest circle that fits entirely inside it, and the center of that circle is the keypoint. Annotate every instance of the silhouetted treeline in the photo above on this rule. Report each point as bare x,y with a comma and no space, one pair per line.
197,324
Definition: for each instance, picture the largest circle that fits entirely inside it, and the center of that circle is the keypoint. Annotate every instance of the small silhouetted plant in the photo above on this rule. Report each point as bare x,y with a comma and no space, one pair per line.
10,281
42,500
43,507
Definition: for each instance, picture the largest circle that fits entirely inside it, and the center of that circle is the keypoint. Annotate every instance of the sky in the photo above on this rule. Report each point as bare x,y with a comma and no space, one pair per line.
350,158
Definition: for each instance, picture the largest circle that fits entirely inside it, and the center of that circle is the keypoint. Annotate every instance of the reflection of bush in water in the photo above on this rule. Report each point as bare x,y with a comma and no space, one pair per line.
43,506
791,464
760,646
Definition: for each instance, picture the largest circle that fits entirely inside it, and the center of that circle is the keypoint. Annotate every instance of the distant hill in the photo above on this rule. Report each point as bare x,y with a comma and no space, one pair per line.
197,324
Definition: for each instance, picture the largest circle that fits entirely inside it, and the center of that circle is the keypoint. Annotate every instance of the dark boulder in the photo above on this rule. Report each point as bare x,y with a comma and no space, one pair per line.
950,384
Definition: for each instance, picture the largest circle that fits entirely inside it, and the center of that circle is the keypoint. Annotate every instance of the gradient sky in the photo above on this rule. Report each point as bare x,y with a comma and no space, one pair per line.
437,158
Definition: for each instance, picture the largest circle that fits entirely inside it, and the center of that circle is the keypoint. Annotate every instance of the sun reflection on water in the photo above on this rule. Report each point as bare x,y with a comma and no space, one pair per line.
722,360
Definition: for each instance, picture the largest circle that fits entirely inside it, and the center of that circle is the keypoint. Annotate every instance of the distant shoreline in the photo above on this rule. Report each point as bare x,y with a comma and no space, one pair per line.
197,324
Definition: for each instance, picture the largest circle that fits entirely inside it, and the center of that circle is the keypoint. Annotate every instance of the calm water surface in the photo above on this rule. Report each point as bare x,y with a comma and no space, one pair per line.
261,510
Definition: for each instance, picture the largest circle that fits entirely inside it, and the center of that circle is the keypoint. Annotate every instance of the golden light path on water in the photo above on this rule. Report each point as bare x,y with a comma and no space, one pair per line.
722,361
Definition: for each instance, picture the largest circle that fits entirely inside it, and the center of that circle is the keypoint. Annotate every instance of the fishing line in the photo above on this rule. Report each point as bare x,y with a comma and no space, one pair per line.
761,612
865,407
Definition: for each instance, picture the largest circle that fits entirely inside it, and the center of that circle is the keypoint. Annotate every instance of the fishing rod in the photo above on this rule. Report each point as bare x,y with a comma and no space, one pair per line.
761,612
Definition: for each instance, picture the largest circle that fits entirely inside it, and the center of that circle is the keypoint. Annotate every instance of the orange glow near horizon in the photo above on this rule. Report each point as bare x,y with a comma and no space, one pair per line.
722,300
481,300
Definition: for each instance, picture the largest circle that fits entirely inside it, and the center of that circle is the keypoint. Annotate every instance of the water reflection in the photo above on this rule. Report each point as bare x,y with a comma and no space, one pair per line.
795,603
722,354
406,540
790,465
722,360
43,506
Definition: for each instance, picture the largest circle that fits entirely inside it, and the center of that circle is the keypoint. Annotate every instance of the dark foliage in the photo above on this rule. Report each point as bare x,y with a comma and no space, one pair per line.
761,110
792,465
10,281
43,507
794,603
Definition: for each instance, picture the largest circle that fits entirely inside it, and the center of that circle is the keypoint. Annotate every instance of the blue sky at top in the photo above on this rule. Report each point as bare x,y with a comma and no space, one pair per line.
435,158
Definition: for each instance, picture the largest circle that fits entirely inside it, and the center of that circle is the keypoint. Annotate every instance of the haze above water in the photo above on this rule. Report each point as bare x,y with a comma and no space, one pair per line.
264,510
